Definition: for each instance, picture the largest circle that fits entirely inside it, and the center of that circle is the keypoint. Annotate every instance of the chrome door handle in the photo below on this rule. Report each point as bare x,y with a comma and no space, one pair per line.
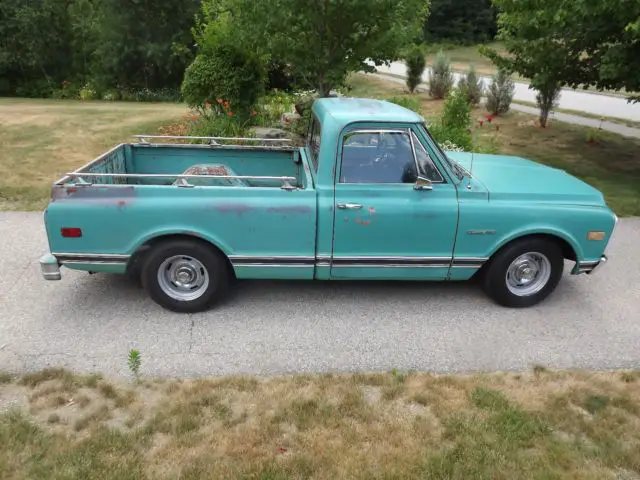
350,206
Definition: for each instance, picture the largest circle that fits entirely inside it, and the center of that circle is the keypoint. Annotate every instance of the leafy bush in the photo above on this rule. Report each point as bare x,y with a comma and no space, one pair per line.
416,64
472,85
88,92
149,95
500,93
440,76
407,102
227,71
455,122
218,126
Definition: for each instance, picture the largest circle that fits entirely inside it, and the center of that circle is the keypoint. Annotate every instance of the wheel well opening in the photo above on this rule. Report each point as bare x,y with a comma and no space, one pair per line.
567,250
133,267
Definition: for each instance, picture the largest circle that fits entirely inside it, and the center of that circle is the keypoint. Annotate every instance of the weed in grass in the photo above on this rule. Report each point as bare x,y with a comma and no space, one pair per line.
595,403
92,418
108,390
489,399
125,399
91,381
5,378
539,370
629,377
53,418
134,361
34,379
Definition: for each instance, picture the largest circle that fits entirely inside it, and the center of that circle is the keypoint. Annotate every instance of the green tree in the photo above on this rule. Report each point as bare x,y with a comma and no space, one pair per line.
461,21
579,43
500,93
416,63
325,40
144,44
440,76
472,86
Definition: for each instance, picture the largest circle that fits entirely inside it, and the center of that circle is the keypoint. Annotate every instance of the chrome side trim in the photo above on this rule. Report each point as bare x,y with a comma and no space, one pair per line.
92,262
94,258
358,261
270,265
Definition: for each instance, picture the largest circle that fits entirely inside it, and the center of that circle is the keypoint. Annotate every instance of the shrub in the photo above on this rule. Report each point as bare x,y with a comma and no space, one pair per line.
406,102
416,64
472,85
500,93
226,71
455,121
440,77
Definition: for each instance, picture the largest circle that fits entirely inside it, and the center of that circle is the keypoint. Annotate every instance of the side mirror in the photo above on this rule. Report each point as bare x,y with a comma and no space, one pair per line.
423,184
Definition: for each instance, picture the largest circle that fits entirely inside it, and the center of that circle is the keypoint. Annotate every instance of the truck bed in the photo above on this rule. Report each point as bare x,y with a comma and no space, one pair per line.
251,202
146,163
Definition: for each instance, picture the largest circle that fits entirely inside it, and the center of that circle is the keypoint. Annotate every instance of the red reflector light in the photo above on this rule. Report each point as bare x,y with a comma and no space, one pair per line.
71,232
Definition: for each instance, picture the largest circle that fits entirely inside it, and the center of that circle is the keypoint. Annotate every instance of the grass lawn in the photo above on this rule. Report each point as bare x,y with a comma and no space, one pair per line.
536,424
612,164
43,139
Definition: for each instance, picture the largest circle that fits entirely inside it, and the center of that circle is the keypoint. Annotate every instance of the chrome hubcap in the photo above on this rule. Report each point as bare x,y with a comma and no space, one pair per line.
528,274
183,278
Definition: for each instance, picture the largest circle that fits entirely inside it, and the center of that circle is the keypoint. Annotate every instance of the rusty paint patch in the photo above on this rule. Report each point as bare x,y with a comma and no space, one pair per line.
234,208
302,209
109,194
359,221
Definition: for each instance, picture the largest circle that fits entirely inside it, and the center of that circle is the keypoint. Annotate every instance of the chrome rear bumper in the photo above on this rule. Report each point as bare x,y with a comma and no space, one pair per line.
50,268
588,267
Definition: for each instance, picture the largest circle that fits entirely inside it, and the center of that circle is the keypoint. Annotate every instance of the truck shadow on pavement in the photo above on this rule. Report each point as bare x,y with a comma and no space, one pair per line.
102,290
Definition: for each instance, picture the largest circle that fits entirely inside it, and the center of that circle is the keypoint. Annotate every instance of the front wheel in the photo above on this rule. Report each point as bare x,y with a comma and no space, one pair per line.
524,273
185,276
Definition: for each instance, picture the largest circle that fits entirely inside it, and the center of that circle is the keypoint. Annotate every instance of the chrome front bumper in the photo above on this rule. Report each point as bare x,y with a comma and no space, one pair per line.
588,267
50,268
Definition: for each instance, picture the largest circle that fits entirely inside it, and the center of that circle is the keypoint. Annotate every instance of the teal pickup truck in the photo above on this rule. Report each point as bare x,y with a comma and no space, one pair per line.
370,196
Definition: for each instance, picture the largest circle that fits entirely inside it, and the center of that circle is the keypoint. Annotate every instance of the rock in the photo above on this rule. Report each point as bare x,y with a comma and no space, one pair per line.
265,132
289,118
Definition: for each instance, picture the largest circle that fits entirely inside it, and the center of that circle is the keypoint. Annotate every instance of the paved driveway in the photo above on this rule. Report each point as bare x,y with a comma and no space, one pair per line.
89,323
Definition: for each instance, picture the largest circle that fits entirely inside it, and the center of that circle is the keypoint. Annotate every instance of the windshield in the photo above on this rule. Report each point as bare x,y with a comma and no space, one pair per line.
458,171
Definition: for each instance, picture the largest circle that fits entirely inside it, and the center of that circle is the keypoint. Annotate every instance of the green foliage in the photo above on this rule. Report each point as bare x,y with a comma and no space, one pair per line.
461,21
454,124
407,102
440,76
500,93
134,361
228,72
416,63
218,125
322,41
575,43
547,99
55,47
472,86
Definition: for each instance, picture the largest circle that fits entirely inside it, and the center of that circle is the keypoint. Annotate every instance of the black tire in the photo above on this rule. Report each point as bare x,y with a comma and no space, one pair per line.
215,265
494,278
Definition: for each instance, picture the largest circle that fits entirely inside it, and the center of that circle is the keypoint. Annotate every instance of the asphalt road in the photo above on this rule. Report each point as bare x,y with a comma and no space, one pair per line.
88,323
595,103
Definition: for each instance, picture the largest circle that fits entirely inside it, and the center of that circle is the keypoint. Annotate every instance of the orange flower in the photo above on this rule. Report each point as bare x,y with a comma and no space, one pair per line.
254,113
230,113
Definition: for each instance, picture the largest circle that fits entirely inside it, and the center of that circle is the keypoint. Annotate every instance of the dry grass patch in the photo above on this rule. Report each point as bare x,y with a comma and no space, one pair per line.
537,424
43,139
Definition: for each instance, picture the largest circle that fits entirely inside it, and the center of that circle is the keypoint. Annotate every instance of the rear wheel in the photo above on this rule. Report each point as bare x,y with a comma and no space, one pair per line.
524,273
185,276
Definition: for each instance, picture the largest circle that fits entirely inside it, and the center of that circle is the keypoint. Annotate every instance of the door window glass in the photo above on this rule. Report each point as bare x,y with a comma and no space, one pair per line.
377,157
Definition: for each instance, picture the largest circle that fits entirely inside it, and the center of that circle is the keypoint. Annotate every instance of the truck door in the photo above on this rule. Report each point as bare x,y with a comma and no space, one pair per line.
384,227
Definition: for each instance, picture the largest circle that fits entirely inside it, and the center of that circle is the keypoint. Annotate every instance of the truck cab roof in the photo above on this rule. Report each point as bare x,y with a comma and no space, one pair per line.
341,111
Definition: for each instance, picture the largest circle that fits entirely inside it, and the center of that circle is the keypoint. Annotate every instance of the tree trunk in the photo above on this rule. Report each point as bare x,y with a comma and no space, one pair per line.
544,117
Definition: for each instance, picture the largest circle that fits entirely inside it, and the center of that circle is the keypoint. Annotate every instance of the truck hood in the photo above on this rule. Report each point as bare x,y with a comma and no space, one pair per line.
509,177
